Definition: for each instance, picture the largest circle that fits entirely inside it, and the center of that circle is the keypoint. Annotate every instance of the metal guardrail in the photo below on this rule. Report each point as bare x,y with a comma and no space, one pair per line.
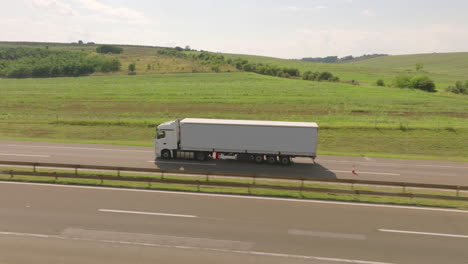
207,182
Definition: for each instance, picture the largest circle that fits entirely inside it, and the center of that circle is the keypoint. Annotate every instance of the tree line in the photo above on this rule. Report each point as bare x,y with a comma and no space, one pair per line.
35,62
335,59
217,60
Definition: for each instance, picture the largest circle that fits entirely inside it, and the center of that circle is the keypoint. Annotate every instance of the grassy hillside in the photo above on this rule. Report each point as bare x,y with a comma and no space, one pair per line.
124,109
141,55
444,68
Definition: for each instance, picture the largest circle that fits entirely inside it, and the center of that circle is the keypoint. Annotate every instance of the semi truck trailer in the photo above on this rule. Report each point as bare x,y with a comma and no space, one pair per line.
261,141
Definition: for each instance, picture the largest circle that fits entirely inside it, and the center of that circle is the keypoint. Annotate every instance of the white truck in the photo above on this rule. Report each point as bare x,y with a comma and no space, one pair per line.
270,141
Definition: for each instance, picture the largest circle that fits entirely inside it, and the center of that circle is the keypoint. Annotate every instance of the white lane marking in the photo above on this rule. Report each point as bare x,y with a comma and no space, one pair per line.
83,148
298,232
243,197
24,155
392,164
422,233
145,213
27,235
367,172
246,252
182,163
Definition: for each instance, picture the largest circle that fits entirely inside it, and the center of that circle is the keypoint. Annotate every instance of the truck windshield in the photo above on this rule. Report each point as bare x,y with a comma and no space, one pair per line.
160,134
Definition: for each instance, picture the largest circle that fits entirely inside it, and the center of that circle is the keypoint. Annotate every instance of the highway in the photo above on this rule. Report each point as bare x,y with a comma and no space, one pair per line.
366,168
50,224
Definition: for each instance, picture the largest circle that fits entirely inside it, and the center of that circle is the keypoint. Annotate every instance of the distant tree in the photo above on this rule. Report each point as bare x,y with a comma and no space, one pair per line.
380,82
132,67
179,48
148,67
324,76
109,49
187,48
459,88
422,83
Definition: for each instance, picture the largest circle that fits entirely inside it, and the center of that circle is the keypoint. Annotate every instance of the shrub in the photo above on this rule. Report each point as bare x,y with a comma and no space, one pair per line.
422,83
109,49
248,67
324,76
132,67
380,82
402,81
215,68
459,88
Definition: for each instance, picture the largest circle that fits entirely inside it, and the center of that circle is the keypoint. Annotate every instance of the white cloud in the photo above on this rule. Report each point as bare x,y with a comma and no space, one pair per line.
131,16
55,5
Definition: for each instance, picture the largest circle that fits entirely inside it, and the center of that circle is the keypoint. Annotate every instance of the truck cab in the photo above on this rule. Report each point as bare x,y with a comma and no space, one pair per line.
166,139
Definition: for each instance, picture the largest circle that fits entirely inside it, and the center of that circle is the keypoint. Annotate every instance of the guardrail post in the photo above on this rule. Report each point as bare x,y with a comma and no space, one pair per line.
34,168
11,174
76,171
458,191
207,177
302,187
357,192
118,172
404,187
198,185
55,173
102,179
162,175
149,183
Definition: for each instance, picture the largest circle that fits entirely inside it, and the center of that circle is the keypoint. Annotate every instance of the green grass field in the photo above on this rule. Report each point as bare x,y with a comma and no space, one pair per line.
360,120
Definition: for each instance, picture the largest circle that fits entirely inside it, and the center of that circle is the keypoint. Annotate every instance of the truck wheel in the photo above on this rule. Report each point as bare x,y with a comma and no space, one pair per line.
258,159
200,156
166,154
271,159
285,160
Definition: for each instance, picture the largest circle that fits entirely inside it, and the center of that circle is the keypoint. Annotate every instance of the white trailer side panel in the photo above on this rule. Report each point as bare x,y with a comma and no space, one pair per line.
265,138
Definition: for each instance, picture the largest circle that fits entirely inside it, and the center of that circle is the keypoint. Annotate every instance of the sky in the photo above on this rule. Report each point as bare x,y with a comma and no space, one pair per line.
276,28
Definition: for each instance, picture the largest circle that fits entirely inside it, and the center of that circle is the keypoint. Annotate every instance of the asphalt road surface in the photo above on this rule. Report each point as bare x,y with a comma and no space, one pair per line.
399,170
51,224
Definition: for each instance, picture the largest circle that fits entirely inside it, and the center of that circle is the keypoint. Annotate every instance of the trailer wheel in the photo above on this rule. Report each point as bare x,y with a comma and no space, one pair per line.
271,159
200,156
166,154
258,159
285,160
